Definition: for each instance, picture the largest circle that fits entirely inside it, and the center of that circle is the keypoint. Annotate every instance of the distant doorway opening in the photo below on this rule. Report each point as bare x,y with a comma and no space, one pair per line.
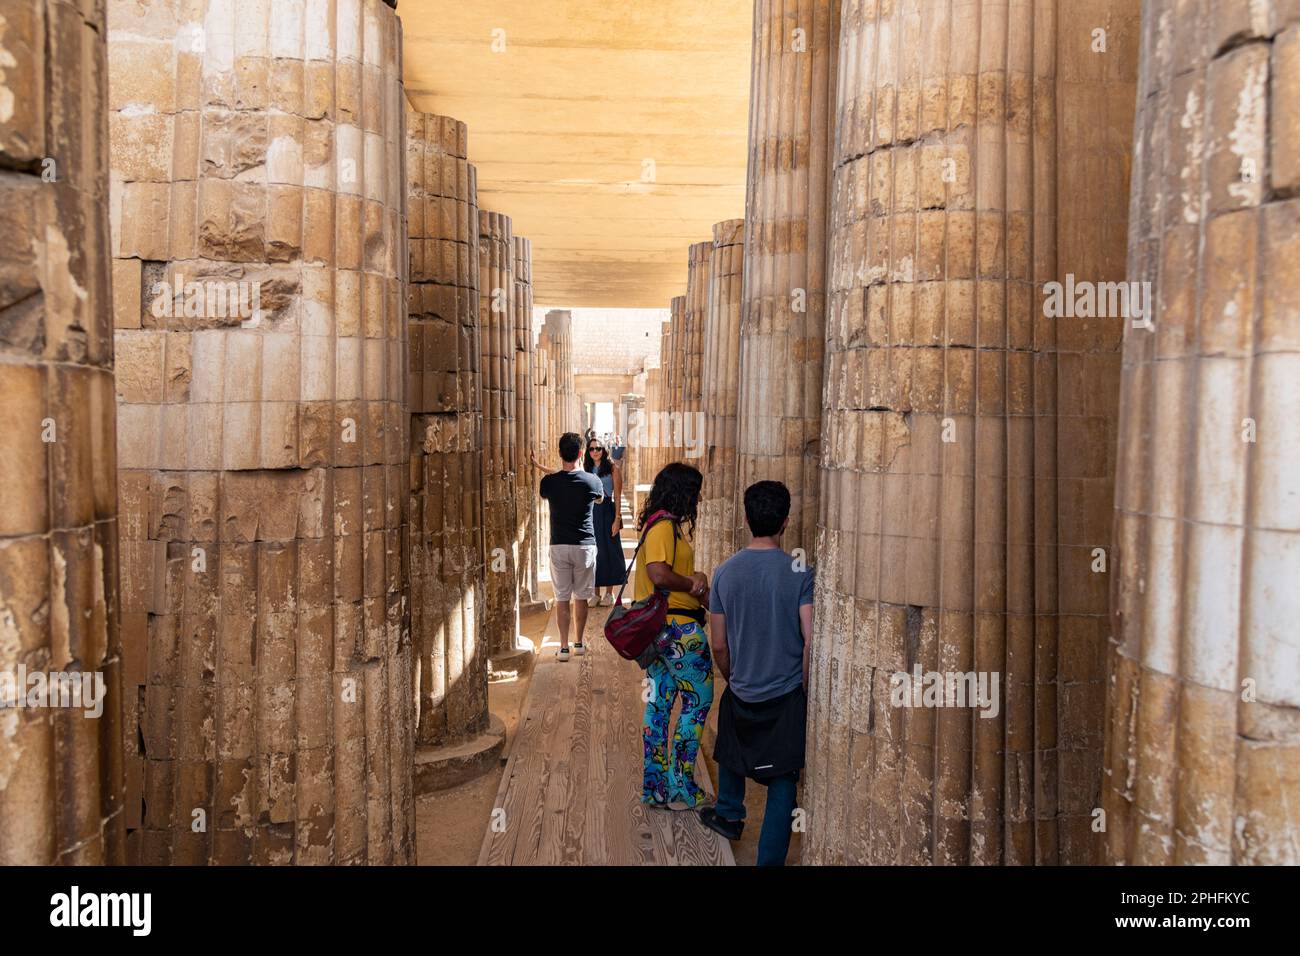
602,418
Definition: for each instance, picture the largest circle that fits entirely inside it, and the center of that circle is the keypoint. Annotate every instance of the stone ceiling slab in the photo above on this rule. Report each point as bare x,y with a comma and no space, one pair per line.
567,102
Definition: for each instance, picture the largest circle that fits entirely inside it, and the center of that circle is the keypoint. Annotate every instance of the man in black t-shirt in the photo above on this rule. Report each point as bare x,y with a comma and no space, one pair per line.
571,492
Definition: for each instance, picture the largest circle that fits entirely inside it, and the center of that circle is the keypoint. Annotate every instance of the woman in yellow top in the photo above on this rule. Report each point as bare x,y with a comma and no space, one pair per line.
683,666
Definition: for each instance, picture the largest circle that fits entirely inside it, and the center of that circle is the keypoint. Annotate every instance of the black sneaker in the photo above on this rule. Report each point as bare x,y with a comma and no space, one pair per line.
731,829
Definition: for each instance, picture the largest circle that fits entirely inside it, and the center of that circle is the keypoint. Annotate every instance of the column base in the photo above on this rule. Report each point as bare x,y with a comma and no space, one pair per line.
508,665
537,606
437,768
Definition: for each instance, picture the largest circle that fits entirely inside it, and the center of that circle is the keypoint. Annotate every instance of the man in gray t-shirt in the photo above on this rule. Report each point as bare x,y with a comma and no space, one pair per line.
759,592
760,623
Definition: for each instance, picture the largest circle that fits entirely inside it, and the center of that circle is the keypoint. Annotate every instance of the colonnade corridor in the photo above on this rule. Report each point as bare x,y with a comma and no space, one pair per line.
984,313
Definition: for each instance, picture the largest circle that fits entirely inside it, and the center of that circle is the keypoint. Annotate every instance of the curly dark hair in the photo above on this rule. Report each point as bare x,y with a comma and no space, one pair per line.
677,491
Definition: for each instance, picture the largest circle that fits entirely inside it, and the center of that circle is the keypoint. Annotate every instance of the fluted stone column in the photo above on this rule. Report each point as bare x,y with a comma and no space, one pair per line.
543,410
721,372
1203,729
500,508
661,425
258,152
641,430
527,500
633,410
547,436
783,310
695,315
969,433
680,341
60,767
559,331
456,738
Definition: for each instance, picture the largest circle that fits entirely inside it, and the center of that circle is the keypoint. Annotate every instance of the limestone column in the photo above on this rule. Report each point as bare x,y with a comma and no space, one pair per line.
526,497
559,323
549,432
718,387
695,317
1203,728
259,232
783,309
643,429
60,768
663,427
969,433
660,426
500,512
633,406
455,736
665,424
543,409
677,378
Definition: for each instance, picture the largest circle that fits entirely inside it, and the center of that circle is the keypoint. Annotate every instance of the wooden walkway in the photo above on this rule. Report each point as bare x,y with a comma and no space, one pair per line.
572,786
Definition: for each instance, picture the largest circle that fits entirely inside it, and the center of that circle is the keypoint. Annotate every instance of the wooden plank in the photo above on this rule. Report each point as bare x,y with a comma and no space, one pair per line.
532,785
630,839
572,785
574,827
557,790
595,849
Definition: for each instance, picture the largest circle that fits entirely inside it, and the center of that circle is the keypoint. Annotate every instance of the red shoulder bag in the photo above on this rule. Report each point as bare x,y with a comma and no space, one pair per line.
632,628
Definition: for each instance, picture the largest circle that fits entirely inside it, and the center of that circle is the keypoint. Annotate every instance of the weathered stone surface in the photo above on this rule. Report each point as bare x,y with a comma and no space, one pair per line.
673,437
695,315
967,444
61,779
263,433
716,540
1203,706
500,460
446,523
528,501
556,401
655,432
783,312
557,334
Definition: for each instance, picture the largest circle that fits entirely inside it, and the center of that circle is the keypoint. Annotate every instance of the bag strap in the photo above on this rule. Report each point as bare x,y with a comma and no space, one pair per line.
655,518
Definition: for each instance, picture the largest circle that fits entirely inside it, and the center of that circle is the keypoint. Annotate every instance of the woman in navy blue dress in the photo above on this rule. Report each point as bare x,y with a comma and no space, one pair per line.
608,519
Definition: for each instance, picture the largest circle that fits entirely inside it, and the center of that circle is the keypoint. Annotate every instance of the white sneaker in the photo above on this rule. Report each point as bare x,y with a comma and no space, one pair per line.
579,648
607,601
562,654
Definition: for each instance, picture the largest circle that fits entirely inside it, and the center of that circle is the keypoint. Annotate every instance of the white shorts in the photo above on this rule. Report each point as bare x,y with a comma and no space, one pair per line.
573,571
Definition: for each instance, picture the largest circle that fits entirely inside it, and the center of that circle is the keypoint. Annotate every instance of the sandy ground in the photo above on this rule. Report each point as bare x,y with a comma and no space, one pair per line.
449,824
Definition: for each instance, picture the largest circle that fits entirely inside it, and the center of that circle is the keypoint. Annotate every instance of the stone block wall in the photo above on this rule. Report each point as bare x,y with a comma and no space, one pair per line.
259,244
61,773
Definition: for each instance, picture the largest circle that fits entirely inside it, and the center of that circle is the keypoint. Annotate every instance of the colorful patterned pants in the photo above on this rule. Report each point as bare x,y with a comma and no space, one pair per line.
683,668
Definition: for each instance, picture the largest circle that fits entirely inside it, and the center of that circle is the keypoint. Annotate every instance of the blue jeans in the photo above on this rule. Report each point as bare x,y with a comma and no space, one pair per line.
774,839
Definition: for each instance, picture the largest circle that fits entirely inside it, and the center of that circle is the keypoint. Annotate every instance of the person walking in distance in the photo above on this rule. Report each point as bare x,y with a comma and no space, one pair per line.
610,569
760,629
571,494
